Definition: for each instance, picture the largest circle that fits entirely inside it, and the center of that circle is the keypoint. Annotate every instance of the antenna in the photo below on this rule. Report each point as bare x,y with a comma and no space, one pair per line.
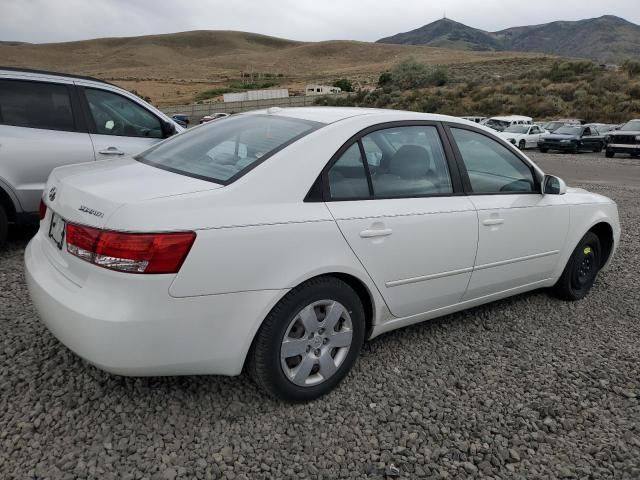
444,15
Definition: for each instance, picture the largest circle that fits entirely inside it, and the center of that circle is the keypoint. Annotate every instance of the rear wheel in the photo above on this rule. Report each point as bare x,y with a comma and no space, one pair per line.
598,148
544,149
610,154
309,341
581,269
4,226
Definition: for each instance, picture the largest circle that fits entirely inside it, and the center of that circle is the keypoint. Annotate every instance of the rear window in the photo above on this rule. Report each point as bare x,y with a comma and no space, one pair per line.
224,150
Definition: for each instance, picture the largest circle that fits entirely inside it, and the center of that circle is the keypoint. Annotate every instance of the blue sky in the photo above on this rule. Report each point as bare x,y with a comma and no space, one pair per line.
310,20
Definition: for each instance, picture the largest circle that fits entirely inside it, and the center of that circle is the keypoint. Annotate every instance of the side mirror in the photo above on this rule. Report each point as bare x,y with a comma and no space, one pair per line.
168,129
553,186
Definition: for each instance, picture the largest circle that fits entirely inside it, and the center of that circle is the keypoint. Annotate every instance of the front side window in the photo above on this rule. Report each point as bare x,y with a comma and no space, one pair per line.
401,162
114,114
492,168
35,105
226,148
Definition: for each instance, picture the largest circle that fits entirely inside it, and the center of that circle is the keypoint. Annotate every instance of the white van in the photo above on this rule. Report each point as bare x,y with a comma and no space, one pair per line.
502,123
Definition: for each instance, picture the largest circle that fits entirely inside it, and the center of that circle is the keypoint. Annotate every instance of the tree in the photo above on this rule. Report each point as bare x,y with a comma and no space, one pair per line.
344,84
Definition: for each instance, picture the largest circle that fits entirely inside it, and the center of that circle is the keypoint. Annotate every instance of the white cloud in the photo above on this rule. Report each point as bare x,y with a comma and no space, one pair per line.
64,20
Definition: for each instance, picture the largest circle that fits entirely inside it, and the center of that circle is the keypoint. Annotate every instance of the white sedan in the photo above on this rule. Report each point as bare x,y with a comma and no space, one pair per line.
523,136
283,239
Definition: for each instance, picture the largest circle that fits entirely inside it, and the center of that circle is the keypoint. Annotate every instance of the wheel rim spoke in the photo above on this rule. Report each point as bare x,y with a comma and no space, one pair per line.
334,312
292,347
327,365
309,319
302,371
341,339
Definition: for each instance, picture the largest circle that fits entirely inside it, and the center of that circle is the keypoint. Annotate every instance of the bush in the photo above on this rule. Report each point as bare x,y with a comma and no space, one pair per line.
632,67
344,84
410,74
385,79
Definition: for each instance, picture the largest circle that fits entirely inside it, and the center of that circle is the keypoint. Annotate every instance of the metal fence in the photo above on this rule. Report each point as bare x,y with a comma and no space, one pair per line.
196,111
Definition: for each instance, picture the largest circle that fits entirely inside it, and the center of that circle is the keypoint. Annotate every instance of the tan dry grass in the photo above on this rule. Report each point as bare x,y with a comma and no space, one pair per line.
171,68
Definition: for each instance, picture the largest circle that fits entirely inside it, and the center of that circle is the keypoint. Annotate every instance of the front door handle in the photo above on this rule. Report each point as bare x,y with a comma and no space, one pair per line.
111,151
385,232
493,221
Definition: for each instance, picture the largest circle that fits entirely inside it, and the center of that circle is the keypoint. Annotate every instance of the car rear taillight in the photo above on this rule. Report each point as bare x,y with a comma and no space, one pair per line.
42,210
130,252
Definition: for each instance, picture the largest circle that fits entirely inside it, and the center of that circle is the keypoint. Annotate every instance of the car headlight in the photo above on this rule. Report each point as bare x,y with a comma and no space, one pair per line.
637,138
566,140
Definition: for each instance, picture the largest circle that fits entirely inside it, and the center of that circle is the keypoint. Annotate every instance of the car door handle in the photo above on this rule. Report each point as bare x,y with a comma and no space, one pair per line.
493,221
385,232
111,151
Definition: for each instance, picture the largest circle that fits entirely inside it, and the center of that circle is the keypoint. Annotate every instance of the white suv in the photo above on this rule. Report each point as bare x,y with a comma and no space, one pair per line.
50,119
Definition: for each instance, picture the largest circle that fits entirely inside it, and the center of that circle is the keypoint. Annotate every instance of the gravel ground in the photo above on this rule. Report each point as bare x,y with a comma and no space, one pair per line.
529,387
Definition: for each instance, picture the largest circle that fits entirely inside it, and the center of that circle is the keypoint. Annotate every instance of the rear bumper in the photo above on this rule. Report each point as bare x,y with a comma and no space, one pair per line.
131,325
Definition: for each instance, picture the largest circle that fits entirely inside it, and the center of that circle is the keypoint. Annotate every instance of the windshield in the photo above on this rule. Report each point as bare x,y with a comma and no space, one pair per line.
633,125
517,129
568,130
553,125
223,150
497,124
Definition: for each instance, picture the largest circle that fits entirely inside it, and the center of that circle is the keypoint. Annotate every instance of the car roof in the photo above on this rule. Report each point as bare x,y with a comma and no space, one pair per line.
328,115
511,117
43,74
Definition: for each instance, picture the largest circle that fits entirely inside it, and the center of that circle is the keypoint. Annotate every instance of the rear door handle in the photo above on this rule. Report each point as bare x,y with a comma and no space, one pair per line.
385,232
111,151
493,221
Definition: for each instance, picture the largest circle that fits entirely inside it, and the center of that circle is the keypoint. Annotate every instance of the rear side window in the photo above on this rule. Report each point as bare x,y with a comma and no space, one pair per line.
401,162
35,105
223,150
491,167
114,114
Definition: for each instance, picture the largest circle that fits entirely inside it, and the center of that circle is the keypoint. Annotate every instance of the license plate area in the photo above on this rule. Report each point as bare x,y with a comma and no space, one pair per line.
57,230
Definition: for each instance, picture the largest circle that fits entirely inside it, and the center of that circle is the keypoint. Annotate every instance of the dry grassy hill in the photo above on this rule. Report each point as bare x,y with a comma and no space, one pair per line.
172,68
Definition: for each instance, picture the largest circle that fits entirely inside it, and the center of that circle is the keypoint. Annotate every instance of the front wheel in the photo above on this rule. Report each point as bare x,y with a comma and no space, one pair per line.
544,149
522,145
610,154
581,269
309,341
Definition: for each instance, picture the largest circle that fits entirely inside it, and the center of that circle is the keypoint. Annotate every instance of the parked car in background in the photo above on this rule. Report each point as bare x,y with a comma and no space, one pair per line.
221,263
624,140
523,136
501,123
180,119
475,119
573,139
50,119
213,116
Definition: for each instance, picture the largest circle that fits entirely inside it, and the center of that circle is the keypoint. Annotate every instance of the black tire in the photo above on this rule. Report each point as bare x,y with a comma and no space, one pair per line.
4,226
544,149
598,148
581,269
574,150
522,145
610,154
264,362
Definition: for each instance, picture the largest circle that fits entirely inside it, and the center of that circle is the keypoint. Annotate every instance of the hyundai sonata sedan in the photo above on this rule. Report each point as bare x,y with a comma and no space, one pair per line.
280,240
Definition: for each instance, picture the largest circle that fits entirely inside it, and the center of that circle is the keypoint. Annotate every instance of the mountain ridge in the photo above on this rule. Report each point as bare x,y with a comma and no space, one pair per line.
605,38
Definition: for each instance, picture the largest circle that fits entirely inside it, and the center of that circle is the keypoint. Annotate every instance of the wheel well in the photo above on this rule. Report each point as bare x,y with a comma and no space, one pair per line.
9,207
365,297
605,234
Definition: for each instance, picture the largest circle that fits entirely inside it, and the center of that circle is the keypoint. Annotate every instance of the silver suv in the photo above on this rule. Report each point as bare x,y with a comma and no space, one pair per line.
50,119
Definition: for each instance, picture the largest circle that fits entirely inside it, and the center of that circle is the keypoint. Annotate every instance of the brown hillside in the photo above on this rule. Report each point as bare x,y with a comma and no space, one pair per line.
171,68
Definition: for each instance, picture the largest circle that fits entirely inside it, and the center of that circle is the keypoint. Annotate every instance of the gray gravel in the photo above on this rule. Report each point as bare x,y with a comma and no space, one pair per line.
529,387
